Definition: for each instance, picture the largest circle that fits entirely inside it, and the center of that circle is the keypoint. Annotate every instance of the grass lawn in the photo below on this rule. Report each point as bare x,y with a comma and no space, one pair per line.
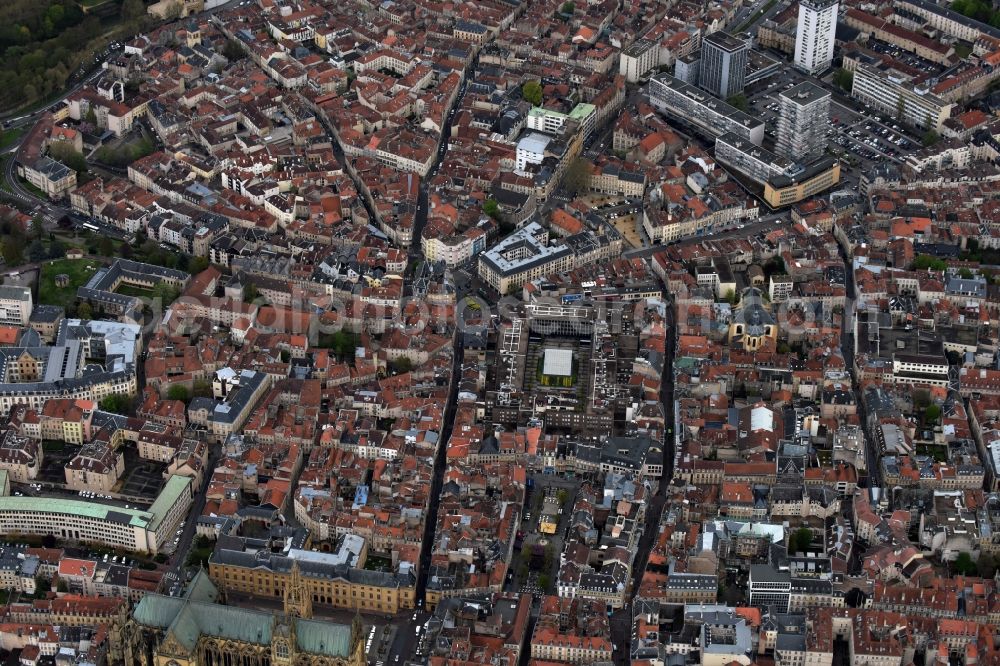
78,270
31,188
9,136
132,290
69,240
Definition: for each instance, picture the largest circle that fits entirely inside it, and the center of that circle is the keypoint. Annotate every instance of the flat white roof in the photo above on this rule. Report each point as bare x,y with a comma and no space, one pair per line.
558,362
534,143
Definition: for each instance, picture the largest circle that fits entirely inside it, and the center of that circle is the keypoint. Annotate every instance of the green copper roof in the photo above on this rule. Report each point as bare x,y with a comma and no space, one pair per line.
175,487
187,620
156,610
324,638
582,110
132,517
201,588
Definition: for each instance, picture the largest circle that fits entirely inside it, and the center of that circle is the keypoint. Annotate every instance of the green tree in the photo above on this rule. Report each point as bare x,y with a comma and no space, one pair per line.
202,541
13,248
931,414
930,138
56,250
64,152
739,101
986,565
545,583
133,9
116,403
250,293
201,388
37,229
925,261
178,392
85,311
844,79
576,176
567,8
105,246
402,364
233,51
562,497
198,558
492,208
61,586
548,557
37,251
964,565
167,293
342,343
198,264
42,586
800,540
522,570
531,91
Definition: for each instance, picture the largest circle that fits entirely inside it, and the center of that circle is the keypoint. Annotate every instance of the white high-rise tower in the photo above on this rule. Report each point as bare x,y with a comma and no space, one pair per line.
814,36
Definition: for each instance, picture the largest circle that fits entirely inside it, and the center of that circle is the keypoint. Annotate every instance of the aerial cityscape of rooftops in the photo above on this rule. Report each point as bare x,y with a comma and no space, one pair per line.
499,332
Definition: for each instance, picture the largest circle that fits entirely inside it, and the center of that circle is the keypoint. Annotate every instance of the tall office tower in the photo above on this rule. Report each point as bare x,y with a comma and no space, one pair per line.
815,34
723,69
805,110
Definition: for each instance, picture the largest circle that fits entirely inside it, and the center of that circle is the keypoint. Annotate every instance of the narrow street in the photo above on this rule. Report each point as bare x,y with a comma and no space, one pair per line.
872,476
621,621
430,520
448,419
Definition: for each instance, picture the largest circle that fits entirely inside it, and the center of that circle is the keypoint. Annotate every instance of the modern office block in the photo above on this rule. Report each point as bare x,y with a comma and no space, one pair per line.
723,68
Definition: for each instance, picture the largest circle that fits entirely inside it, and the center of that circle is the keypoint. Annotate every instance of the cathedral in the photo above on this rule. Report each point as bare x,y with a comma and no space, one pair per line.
197,629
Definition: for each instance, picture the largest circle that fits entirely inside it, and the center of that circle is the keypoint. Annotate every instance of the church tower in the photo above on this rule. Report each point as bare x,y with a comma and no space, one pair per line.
298,601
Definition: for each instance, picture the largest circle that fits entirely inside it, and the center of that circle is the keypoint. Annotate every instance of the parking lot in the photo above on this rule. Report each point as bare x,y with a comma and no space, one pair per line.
857,135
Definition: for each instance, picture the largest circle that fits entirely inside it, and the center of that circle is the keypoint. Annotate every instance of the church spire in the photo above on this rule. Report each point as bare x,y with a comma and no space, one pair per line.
357,629
298,600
